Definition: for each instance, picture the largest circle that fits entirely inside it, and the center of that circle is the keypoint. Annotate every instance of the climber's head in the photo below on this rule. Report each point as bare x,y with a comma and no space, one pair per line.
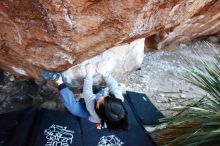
112,111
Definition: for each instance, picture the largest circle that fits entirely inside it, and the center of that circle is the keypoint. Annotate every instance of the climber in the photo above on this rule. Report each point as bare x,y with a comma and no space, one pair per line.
105,109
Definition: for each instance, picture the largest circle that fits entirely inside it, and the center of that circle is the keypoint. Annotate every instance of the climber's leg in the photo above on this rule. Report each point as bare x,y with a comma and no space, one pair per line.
71,103
67,97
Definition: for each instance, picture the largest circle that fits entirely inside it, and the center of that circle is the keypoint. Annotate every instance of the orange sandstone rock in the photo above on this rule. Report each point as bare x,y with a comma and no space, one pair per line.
38,35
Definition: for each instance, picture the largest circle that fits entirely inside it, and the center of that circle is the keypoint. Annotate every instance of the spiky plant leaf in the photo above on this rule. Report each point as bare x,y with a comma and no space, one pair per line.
197,124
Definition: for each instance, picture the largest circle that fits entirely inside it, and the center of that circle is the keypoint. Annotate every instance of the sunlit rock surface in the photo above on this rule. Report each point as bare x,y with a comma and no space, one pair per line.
38,35
117,60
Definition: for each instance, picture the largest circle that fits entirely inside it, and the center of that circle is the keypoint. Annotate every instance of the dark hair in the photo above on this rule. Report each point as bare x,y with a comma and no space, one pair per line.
113,113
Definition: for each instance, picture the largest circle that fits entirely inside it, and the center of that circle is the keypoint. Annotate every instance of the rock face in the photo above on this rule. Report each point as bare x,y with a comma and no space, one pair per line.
204,23
38,35
119,60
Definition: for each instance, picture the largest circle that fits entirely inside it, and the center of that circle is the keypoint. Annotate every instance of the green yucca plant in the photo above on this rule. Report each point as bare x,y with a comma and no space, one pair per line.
197,124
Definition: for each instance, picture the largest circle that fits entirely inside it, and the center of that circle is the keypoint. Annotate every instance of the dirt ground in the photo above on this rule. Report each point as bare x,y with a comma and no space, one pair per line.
159,78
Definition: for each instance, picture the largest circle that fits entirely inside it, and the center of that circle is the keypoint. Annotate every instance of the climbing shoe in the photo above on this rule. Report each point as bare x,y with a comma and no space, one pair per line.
48,75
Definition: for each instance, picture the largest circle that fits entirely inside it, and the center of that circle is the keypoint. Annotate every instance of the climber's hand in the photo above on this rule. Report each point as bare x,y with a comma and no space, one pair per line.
90,70
101,69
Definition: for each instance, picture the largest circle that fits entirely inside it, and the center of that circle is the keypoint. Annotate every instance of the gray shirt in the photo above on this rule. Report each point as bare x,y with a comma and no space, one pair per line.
90,97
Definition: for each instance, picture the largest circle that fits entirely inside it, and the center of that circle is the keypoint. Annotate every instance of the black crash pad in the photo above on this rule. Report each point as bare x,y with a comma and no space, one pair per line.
145,112
134,136
15,127
55,128
31,127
